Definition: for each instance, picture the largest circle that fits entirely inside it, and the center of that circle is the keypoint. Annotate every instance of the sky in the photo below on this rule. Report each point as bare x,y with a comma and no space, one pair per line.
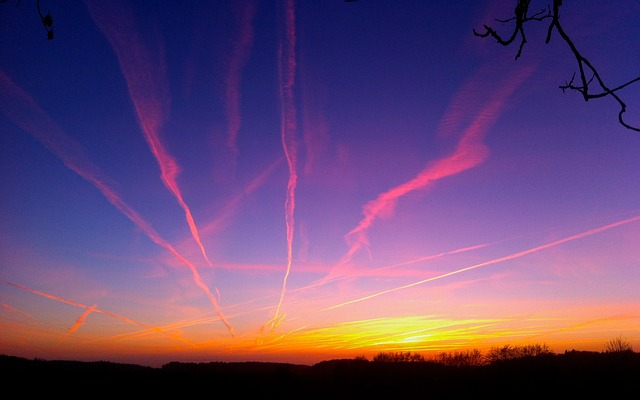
298,181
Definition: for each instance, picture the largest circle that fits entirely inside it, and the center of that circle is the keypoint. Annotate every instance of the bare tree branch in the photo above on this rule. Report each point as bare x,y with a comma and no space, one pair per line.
588,74
47,21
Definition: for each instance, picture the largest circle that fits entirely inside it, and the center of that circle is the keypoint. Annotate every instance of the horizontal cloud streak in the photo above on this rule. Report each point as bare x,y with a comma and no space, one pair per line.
244,13
496,260
92,309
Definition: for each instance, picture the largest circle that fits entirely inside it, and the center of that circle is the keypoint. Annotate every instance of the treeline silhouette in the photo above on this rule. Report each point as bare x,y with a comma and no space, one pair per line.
508,371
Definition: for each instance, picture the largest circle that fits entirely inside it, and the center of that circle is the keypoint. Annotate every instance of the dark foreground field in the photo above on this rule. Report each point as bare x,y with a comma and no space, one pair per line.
591,374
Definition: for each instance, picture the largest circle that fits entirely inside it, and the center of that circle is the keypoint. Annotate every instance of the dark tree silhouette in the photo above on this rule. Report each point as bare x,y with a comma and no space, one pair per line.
46,20
589,84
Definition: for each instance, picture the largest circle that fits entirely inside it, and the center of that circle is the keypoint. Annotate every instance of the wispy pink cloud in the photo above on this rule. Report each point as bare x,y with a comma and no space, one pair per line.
242,43
469,152
145,74
27,114
465,104
315,127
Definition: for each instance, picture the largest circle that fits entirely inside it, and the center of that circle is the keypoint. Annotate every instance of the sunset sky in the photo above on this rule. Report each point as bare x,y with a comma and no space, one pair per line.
298,181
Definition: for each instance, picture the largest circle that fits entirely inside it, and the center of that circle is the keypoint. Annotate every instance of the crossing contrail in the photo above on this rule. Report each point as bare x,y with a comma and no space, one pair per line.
494,261
145,75
28,115
91,309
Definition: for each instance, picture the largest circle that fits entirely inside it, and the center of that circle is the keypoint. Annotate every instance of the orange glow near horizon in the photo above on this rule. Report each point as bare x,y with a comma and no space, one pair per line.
425,334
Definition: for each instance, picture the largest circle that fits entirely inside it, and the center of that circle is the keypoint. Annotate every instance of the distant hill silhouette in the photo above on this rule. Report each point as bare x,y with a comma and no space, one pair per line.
611,375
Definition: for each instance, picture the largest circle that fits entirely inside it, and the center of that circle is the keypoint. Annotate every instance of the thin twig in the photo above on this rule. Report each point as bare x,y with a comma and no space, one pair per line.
584,65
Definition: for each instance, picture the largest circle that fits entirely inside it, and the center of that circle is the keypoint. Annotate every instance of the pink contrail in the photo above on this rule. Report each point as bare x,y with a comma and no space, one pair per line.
146,80
242,44
24,112
315,128
82,318
497,260
229,209
287,72
469,153
10,309
92,309
376,271
434,256
457,114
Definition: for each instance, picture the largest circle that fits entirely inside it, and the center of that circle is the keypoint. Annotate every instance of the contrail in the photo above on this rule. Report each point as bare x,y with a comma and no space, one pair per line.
80,321
229,209
433,256
8,308
315,126
146,81
495,261
93,309
469,153
82,318
242,44
400,264
28,115
287,72
615,317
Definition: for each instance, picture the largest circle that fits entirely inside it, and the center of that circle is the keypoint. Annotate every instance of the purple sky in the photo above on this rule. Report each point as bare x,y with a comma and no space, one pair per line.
305,180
